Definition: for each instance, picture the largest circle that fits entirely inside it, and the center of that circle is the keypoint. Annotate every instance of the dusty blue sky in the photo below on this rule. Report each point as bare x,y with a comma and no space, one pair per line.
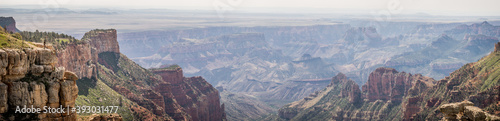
452,7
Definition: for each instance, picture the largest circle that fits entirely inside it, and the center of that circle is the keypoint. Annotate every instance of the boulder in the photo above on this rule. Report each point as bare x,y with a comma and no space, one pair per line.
70,76
465,111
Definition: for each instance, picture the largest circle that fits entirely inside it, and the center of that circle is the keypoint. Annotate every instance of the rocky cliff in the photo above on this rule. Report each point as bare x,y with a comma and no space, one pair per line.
109,78
465,111
103,40
196,96
30,79
9,24
387,84
97,57
78,58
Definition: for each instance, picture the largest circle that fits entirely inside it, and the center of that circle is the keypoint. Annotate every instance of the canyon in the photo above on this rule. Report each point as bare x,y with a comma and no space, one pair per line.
283,64
385,69
392,95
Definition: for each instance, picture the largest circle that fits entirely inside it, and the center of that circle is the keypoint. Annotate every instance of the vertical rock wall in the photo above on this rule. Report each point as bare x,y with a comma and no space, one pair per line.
196,96
29,78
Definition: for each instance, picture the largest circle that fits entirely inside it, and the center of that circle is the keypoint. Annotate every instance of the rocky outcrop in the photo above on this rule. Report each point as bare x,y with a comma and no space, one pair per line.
29,78
387,84
103,40
465,111
196,96
80,57
350,90
108,117
9,24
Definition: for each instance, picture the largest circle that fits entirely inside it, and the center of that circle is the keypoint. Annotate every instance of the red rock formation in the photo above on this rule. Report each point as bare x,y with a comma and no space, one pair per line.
175,96
350,90
387,84
196,96
103,40
411,107
81,57
77,58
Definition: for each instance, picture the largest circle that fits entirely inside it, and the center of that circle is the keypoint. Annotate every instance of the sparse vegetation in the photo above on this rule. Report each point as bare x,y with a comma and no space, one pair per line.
56,39
102,95
8,40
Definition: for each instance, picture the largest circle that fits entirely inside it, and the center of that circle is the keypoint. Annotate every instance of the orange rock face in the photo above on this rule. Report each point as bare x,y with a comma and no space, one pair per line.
196,96
387,84
76,58
103,40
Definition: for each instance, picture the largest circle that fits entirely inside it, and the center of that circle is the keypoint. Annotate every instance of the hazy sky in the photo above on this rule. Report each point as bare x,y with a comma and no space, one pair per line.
452,7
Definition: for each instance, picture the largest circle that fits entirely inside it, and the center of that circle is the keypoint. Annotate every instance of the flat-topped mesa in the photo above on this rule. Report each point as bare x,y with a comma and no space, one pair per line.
9,24
28,78
103,40
172,74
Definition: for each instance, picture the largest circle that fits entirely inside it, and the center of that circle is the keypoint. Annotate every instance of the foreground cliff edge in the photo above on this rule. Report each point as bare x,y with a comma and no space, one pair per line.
30,81
392,95
105,77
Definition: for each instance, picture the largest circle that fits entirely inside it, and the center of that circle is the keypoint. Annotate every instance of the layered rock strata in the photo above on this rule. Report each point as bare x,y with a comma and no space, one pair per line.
29,78
196,96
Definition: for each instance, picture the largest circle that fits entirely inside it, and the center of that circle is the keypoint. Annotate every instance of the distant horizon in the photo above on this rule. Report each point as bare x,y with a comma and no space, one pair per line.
443,7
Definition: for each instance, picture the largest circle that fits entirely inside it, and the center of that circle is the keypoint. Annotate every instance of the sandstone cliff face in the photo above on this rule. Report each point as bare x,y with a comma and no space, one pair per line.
389,84
78,58
81,57
196,96
29,78
9,24
103,40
